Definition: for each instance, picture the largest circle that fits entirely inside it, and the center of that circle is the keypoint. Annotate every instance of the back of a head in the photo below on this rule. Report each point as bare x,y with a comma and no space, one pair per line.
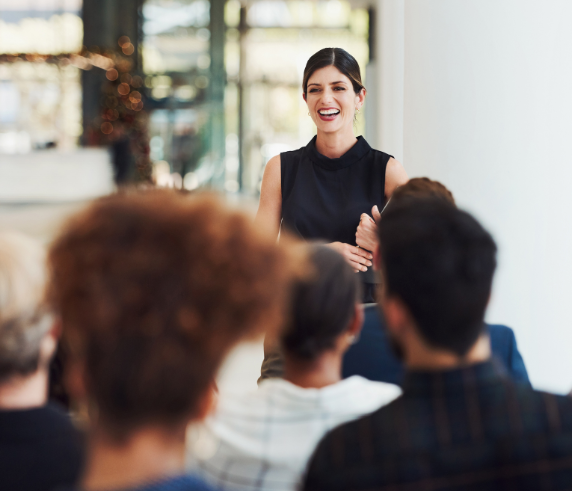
24,319
423,187
322,305
440,262
153,289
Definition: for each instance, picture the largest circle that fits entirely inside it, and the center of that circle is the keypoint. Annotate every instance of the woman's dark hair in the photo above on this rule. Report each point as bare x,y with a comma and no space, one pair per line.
339,58
323,305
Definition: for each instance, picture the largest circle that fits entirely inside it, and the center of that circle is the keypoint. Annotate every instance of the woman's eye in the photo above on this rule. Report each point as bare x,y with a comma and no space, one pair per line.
339,88
313,90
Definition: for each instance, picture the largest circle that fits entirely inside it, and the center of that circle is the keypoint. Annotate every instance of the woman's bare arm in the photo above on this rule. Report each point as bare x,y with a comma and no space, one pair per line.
270,206
395,176
366,234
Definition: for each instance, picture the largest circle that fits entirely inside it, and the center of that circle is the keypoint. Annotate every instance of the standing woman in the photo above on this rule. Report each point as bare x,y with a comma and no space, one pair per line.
320,191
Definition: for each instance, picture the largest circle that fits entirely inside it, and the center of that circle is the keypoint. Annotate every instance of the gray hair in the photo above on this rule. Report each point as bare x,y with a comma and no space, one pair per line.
24,317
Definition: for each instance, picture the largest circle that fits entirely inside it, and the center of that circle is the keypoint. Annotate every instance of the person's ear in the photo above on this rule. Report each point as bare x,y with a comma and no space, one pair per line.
396,315
208,403
49,343
357,322
304,96
360,98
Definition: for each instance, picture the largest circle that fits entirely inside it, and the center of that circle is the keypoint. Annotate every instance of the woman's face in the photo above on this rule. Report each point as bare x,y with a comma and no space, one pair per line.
331,99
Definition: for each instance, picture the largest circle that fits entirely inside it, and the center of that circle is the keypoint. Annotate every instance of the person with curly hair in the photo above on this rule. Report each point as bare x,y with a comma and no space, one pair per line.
153,289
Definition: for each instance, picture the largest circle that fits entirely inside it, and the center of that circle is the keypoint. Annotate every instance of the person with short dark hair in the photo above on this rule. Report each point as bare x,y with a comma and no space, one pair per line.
371,357
153,289
319,191
40,449
262,440
461,423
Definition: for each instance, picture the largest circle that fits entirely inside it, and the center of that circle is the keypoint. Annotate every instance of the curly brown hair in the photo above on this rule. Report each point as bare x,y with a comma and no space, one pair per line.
153,289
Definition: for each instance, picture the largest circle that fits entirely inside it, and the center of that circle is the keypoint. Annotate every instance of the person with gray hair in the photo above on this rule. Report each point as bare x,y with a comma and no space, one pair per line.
39,447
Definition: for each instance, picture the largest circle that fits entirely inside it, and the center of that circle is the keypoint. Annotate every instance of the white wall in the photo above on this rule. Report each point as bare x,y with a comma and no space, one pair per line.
487,110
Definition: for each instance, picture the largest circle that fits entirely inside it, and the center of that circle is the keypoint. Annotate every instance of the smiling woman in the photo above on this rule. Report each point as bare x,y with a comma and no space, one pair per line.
323,190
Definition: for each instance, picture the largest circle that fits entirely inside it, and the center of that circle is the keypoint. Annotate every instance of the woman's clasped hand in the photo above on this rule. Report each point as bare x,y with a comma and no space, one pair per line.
358,258
366,233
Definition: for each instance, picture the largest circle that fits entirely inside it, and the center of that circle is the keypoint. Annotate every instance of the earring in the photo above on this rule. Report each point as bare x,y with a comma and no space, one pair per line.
357,110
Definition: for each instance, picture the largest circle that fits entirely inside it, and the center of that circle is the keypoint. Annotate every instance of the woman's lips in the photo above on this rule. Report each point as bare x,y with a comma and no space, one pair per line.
328,117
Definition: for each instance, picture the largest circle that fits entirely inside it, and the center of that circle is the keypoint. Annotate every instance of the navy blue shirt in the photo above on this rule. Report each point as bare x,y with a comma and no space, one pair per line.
40,449
372,357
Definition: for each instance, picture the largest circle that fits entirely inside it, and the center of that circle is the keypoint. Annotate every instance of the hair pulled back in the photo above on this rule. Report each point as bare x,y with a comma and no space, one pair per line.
323,305
339,58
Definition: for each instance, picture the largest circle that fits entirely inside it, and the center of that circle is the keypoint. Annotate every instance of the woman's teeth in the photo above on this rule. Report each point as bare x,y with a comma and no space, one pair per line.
329,112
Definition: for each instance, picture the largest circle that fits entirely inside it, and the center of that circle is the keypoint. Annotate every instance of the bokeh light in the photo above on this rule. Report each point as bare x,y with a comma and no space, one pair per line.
106,128
112,74
123,89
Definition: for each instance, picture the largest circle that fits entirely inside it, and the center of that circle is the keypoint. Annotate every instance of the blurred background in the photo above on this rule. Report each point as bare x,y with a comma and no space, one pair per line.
200,94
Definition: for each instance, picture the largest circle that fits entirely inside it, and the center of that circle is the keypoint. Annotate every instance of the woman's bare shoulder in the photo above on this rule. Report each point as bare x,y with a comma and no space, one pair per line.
395,176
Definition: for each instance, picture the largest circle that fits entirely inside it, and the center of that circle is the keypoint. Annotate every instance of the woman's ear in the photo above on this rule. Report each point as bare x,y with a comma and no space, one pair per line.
304,96
360,98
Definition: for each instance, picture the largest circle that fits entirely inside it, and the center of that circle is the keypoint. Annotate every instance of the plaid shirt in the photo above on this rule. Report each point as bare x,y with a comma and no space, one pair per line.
261,441
464,429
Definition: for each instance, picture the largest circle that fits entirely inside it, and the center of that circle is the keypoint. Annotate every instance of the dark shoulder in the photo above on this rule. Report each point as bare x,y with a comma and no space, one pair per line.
58,420
291,156
555,411
382,156
344,443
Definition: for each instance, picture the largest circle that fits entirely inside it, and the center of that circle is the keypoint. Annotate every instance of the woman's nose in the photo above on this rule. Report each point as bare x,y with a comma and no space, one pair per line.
327,95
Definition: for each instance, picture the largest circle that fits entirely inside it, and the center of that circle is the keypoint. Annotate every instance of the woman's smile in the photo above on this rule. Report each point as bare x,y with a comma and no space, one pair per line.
328,114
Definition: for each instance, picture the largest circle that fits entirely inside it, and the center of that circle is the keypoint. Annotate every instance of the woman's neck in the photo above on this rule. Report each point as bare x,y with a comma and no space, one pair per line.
324,371
334,145
148,455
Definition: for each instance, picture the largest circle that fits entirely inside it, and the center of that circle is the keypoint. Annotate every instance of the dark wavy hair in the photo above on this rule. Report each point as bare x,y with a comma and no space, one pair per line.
339,58
322,305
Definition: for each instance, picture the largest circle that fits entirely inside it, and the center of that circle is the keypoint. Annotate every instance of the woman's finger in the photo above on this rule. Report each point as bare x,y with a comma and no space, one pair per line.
360,260
357,267
362,252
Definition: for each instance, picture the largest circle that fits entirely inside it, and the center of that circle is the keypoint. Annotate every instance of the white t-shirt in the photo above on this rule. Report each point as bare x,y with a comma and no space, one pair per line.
263,440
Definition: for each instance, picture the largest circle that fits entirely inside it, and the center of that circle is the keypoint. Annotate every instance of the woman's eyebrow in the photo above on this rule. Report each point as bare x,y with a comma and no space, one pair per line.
338,82
314,84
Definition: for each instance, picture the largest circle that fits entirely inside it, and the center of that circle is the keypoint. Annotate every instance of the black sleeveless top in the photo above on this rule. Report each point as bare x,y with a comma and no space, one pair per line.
323,198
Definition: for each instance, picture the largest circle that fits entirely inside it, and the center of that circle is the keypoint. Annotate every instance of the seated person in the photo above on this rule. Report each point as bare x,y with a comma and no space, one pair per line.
461,422
372,357
153,289
263,440
39,447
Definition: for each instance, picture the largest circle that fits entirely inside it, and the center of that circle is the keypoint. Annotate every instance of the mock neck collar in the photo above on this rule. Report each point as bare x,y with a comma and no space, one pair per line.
420,382
358,151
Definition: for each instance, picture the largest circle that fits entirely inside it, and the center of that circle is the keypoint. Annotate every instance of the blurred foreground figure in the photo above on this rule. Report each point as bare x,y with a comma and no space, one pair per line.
263,440
153,289
39,448
461,423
